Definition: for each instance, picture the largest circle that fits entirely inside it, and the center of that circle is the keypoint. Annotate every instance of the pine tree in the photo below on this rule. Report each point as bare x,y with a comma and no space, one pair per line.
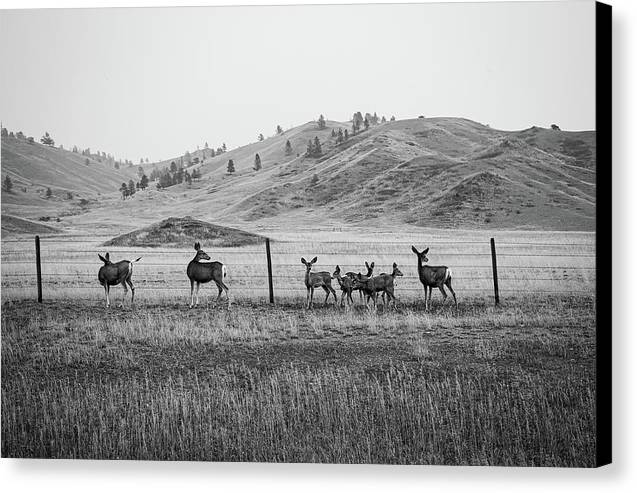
333,133
321,122
366,123
257,162
288,148
131,187
7,184
317,147
87,161
223,146
346,134
392,119
123,190
310,148
261,138
144,182
279,130
383,119
4,132
48,193
46,139
339,137
173,167
231,166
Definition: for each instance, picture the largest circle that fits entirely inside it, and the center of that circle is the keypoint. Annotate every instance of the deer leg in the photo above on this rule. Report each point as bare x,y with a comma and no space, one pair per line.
123,283
197,294
444,293
108,301
334,293
349,297
227,290
448,283
192,292
311,296
327,294
430,291
132,290
220,291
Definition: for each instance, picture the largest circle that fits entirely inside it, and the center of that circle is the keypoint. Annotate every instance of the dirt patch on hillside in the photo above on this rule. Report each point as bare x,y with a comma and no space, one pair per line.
16,225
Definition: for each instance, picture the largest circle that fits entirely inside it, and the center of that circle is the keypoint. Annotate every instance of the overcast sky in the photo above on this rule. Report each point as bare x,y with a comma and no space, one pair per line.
155,82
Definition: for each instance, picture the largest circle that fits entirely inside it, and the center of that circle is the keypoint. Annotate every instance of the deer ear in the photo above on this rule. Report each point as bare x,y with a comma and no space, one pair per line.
395,265
314,260
372,265
426,250
366,264
102,258
413,249
197,246
108,257
303,261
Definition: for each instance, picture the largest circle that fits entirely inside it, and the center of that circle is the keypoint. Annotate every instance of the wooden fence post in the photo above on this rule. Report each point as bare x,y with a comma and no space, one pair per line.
494,264
267,254
38,267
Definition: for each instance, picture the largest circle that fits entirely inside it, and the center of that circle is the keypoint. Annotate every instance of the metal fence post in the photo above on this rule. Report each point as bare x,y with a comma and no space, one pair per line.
494,264
38,267
267,254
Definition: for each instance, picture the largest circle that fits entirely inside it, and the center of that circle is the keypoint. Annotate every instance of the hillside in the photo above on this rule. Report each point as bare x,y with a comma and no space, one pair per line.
34,167
184,232
433,172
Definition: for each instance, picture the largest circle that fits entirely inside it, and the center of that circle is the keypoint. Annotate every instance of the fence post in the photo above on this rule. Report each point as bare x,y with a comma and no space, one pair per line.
267,254
494,264
38,267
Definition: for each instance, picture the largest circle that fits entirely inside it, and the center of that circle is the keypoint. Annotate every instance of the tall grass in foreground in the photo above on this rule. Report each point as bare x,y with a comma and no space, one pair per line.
301,414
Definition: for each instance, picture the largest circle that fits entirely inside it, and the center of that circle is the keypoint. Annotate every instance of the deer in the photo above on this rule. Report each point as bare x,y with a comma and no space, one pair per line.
111,274
201,270
353,276
433,277
317,280
383,283
347,285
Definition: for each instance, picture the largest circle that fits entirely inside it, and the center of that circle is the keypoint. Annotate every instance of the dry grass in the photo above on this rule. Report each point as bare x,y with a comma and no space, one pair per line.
507,386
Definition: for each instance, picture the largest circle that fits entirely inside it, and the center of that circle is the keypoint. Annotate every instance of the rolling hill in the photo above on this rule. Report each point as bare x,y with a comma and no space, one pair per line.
433,172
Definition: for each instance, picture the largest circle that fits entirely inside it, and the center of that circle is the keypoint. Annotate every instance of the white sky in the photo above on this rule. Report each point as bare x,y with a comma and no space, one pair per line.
154,82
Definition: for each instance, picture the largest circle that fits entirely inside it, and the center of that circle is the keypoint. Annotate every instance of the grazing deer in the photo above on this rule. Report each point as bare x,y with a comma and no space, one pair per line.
433,277
383,283
316,280
201,270
347,285
111,274
353,275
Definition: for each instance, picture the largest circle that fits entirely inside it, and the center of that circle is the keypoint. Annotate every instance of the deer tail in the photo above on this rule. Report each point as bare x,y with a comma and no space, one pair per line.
136,260
224,270
448,275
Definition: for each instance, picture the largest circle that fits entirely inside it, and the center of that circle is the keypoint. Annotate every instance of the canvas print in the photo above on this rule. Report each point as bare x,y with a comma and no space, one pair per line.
333,234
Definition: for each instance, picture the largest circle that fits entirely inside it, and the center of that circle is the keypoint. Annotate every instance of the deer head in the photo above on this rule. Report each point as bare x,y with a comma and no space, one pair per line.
105,258
370,269
337,271
200,255
396,272
308,265
422,256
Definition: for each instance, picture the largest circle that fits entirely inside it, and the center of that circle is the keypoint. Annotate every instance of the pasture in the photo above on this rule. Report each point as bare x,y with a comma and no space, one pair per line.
507,385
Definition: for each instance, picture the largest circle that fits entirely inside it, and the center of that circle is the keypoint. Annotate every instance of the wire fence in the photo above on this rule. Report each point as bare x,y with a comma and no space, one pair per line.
69,270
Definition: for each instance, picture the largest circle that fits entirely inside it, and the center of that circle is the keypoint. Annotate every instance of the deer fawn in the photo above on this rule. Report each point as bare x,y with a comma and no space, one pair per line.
433,277
353,275
111,274
347,285
383,283
317,280
201,271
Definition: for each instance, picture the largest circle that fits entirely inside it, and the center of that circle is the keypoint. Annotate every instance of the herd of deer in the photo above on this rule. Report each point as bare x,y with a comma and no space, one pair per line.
202,270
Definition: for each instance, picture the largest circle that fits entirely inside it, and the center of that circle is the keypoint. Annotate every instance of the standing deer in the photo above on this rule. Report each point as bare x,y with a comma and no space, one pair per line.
353,275
347,285
201,270
316,280
433,277
383,283
111,274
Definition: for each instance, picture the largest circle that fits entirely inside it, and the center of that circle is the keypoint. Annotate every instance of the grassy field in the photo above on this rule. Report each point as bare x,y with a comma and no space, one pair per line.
512,385
506,386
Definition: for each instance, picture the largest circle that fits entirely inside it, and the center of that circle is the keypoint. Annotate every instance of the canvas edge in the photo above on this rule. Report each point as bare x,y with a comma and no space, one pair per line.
603,124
